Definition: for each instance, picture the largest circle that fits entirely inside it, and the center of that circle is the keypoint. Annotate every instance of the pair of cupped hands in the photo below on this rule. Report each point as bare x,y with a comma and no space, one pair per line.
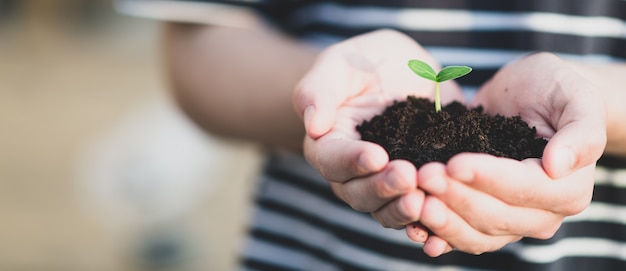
474,203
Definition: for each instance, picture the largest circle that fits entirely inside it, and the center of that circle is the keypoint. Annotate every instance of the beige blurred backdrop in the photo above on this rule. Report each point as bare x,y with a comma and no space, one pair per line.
98,169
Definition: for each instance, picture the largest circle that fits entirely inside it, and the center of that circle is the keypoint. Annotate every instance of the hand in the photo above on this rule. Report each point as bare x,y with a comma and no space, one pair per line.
479,203
351,82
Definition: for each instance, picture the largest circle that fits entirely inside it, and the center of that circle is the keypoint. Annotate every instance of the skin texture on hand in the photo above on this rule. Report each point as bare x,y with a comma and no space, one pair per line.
562,104
476,203
356,79
479,203
351,82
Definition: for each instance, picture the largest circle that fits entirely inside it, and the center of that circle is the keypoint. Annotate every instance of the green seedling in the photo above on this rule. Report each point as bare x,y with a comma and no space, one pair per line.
447,73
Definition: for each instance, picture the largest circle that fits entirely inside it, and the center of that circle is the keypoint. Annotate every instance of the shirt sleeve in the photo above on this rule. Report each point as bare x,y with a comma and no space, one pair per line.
235,13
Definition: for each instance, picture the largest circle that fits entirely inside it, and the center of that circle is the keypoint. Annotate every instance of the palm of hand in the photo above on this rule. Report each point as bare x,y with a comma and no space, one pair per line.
549,95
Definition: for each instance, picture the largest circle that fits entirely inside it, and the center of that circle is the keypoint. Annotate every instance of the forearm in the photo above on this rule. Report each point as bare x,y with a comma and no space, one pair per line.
237,83
611,81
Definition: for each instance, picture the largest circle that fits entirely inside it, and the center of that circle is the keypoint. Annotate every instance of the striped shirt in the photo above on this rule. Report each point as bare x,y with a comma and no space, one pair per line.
299,224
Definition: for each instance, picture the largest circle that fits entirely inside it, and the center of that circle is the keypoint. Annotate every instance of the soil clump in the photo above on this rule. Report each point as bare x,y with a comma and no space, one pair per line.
413,131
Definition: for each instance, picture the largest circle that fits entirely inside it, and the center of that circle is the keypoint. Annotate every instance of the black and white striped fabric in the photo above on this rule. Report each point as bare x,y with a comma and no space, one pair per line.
299,224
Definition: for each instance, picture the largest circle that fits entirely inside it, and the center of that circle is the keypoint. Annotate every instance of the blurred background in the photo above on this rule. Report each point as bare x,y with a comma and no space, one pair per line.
98,169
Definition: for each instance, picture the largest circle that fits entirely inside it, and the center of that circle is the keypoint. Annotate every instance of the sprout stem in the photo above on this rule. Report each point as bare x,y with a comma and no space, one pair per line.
424,70
437,98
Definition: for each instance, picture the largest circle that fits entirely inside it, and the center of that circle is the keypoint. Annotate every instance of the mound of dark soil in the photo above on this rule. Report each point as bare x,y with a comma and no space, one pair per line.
413,131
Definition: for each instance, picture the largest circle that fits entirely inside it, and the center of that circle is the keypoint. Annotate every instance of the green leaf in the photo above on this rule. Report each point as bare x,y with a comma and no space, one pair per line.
452,72
423,69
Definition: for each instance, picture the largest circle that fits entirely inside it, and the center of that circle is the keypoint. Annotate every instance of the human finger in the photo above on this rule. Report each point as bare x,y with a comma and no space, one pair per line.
320,92
401,211
436,246
575,145
490,215
370,193
449,226
523,183
340,159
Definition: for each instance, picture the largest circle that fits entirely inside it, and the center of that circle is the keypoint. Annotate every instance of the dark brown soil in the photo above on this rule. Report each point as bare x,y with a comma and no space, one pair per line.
413,131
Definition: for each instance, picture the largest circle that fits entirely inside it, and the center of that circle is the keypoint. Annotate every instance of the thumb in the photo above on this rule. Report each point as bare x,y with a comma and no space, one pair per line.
575,145
320,93
316,102
318,119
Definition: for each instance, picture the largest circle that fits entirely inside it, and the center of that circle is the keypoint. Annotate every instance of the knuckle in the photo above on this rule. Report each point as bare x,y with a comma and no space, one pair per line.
356,204
328,175
349,198
406,218
577,206
339,193
317,162
381,189
548,232
384,187
325,175
502,225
